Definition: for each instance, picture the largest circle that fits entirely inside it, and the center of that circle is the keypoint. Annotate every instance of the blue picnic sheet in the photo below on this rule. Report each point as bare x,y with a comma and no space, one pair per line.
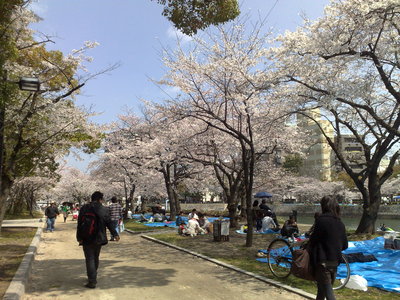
172,224
383,273
269,231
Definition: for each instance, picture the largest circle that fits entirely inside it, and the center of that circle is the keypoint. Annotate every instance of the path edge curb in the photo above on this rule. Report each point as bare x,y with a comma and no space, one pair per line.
16,289
220,263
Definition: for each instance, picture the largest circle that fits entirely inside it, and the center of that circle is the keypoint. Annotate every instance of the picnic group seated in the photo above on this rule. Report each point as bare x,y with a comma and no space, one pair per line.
197,224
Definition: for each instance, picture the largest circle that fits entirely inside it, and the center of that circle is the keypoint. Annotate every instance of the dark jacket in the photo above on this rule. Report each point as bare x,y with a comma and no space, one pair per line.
264,207
51,212
104,221
328,240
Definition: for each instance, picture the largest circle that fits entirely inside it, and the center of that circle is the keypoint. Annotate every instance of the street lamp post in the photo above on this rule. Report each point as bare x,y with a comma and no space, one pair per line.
26,84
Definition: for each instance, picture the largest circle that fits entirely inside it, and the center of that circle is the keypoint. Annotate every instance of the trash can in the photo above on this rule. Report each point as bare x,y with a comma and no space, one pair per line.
221,230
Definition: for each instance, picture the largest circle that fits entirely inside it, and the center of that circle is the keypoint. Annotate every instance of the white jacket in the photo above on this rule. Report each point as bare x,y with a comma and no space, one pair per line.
267,223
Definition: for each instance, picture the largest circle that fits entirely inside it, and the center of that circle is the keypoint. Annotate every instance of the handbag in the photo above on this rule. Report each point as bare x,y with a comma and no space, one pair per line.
301,265
121,226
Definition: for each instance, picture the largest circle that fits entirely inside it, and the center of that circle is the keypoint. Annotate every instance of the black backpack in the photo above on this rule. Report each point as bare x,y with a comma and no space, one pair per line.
88,224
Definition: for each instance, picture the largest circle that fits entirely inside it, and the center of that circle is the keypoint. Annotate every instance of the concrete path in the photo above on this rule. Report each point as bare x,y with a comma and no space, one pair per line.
135,268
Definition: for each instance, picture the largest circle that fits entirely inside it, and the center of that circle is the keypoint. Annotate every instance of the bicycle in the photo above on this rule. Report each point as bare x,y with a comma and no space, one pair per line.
279,256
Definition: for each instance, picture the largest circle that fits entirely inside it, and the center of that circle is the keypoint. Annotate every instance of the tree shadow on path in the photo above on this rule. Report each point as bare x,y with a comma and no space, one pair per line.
67,276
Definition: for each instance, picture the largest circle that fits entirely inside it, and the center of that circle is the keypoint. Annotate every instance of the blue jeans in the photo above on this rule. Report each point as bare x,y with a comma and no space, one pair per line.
115,225
92,253
50,224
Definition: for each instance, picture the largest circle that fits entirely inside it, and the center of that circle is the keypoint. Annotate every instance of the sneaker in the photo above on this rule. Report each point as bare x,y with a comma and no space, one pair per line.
90,285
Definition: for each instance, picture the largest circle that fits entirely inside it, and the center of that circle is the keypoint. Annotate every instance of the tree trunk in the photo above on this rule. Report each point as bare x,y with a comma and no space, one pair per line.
166,170
174,212
372,201
5,189
248,162
232,214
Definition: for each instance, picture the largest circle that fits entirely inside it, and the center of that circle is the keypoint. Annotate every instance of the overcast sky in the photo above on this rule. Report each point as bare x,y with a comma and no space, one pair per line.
132,33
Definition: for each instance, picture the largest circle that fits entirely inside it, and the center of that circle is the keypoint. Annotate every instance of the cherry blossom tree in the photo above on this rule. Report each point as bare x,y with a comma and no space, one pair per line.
346,64
74,186
226,84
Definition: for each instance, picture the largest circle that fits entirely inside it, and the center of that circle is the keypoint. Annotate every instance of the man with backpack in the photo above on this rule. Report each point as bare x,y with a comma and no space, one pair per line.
91,234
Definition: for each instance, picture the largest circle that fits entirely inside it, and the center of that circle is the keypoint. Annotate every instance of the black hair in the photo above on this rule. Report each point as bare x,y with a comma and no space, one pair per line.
255,203
114,199
97,196
330,205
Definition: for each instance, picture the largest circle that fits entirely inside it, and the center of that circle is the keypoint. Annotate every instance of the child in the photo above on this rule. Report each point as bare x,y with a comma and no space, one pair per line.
180,222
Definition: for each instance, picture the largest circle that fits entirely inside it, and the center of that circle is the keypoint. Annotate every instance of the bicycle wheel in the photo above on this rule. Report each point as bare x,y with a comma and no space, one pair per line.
343,274
279,258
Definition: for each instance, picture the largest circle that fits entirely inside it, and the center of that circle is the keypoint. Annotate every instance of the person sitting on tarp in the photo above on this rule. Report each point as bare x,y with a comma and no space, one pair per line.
385,228
267,210
157,217
205,223
142,218
290,229
180,222
193,228
268,223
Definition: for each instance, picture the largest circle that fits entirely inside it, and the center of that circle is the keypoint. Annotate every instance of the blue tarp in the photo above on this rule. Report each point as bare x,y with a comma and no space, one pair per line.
269,231
161,224
383,274
170,223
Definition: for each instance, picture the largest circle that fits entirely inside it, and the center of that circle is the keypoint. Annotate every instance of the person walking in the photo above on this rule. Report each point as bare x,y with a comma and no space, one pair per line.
115,214
93,240
51,213
65,211
327,241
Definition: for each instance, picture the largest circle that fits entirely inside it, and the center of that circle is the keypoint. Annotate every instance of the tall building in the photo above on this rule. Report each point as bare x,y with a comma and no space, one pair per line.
318,156
352,151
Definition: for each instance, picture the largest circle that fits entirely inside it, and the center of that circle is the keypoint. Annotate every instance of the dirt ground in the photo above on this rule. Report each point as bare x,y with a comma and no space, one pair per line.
135,268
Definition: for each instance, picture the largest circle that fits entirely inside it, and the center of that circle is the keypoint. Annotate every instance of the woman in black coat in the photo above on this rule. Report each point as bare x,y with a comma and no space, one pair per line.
327,242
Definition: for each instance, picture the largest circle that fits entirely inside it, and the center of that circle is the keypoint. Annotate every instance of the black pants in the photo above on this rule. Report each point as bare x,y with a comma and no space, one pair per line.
325,277
92,253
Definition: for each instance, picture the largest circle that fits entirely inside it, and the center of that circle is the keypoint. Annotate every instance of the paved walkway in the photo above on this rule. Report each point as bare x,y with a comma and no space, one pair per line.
135,268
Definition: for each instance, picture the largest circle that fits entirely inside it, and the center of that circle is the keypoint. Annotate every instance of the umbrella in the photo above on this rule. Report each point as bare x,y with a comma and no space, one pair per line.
263,195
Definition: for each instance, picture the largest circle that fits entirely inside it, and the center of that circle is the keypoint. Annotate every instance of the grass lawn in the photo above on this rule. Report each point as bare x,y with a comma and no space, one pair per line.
13,245
24,215
235,253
